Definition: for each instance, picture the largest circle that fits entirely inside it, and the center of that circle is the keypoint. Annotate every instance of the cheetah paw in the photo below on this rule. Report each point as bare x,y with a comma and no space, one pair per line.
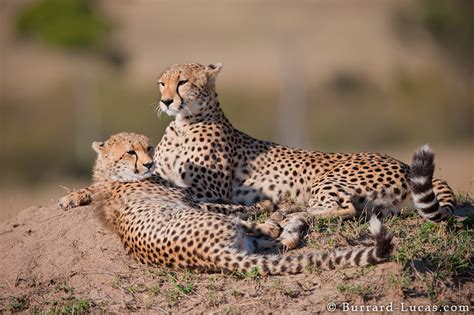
266,206
291,235
273,229
74,199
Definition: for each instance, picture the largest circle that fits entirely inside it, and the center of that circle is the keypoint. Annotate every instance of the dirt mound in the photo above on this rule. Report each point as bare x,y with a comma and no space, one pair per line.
44,248
66,261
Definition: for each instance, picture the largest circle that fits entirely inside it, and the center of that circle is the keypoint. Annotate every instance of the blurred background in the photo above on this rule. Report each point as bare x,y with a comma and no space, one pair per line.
333,75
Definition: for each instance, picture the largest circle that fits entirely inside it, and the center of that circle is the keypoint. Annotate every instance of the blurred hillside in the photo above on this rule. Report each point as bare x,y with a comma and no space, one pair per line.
327,75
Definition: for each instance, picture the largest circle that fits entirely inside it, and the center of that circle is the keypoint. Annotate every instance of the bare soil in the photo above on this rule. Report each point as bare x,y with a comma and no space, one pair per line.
67,262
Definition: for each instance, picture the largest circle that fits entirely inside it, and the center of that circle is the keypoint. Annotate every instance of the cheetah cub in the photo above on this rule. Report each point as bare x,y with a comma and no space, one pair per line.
201,150
157,226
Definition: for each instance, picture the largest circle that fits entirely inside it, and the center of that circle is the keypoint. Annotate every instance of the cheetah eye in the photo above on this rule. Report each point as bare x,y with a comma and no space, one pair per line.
182,82
162,84
131,152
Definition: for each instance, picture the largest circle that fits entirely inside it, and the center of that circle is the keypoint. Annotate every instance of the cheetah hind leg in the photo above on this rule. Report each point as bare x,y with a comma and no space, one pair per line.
332,203
269,228
292,232
262,235
286,238
241,211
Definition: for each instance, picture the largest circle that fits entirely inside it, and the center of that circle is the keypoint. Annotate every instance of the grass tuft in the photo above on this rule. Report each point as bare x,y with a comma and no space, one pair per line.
71,305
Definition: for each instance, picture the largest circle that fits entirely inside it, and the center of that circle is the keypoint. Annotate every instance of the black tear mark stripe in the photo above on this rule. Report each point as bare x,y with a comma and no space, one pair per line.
180,97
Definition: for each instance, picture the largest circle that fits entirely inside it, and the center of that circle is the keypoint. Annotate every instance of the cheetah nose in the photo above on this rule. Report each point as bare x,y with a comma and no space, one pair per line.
148,165
167,102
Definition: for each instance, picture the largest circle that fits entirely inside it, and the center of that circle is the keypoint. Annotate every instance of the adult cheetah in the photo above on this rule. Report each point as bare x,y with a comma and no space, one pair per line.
202,151
157,226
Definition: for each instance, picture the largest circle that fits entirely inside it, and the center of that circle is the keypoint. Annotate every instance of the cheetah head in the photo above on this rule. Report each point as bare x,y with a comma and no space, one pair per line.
124,157
186,88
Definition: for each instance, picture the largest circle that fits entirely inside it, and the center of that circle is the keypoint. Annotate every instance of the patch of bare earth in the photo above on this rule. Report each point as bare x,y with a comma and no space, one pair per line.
67,262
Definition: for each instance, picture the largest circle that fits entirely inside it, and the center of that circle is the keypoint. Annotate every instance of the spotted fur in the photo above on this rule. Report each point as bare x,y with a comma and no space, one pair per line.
158,225
203,152
128,158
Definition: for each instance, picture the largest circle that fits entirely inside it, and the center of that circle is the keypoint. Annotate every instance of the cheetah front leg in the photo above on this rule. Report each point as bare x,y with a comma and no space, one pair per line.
77,198
331,199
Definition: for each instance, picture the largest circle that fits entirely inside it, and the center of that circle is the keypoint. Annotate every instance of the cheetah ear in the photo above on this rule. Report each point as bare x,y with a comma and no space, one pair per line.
98,146
213,69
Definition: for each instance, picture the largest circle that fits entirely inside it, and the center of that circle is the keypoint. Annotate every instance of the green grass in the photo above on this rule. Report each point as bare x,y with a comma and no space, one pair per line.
173,285
183,282
433,256
18,304
325,234
253,274
364,291
235,293
154,290
288,291
259,218
71,305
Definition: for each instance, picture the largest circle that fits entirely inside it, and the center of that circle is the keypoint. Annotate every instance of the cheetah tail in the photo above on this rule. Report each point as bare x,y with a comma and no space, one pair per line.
421,182
270,264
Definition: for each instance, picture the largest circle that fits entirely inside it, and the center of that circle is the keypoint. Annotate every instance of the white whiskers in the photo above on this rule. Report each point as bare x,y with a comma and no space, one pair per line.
158,109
